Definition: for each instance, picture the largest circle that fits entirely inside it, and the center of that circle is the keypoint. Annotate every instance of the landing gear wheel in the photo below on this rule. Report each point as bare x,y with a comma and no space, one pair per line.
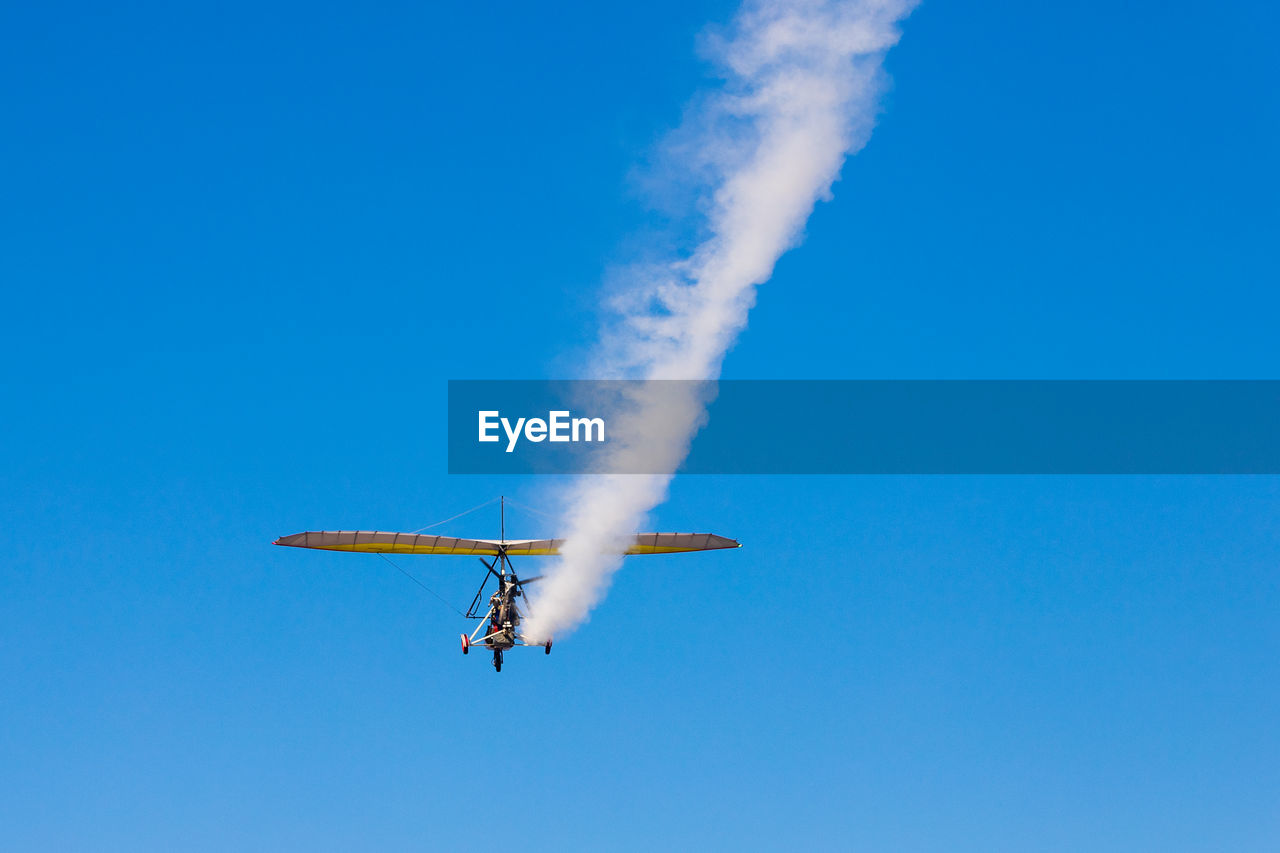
497,661
466,644
546,649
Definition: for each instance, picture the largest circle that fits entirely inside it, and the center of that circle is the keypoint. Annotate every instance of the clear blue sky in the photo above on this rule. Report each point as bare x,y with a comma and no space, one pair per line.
244,246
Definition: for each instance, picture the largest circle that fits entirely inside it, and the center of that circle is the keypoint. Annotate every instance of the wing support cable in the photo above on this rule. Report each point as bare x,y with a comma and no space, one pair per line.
437,596
459,515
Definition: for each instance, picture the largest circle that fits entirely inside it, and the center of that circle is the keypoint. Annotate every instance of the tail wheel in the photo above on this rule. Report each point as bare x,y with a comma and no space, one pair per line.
546,649
466,644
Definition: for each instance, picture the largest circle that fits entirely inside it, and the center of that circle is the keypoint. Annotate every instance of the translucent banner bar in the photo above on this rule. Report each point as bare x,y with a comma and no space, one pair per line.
864,427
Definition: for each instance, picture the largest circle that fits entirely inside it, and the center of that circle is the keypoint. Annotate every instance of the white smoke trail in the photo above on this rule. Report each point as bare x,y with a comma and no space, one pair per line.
803,78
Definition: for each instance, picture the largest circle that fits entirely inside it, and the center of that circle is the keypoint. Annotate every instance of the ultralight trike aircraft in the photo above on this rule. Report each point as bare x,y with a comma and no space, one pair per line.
501,621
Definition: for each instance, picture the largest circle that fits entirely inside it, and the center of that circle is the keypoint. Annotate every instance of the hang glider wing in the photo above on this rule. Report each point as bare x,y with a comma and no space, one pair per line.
383,542
675,543
645,543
